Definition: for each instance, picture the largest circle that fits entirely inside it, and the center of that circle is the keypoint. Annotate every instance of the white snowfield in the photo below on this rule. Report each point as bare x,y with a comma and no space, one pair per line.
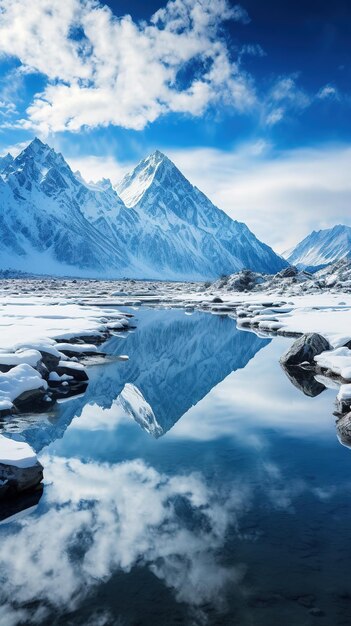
16,453
326,314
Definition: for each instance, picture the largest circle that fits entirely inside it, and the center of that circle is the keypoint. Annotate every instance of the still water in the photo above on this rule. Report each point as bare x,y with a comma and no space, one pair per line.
192,484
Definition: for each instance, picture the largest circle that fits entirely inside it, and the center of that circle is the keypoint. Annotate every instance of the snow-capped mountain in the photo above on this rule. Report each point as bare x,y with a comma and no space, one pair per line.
155,224
182,232
322,247
42,222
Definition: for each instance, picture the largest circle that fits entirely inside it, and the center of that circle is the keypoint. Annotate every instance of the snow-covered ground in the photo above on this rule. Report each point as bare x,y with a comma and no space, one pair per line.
16,453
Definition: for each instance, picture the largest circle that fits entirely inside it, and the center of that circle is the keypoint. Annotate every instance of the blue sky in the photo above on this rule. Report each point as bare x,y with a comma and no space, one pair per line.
251,101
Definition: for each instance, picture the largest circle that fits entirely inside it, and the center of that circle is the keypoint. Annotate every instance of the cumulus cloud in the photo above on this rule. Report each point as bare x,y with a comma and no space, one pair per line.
300,190
94,168
102,69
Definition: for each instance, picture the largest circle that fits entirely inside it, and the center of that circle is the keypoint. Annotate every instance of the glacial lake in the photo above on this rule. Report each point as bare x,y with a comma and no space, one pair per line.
191,484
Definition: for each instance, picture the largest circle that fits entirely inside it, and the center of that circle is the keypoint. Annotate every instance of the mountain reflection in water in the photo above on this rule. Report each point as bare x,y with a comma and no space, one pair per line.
238,514
174,361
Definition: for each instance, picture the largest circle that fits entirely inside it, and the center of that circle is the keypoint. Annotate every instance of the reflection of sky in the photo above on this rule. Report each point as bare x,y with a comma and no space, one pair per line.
248,480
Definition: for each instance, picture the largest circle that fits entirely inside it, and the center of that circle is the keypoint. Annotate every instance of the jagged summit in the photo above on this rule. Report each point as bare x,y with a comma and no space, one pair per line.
322,247
135,184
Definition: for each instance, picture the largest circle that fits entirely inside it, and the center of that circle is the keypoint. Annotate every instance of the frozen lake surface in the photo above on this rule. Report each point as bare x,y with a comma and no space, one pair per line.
191,484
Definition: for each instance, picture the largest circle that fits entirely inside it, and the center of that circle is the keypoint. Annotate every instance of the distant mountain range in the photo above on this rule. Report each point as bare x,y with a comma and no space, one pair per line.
321,248
154,224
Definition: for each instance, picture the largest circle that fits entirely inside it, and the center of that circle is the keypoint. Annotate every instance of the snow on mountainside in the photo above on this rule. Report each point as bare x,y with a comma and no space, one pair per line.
182,231
322,247
42,224
52,221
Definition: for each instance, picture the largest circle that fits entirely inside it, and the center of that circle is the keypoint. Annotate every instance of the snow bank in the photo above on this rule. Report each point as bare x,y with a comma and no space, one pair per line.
338,361
16,453
31,357
17,381
308,314
32,330
75,347
344,393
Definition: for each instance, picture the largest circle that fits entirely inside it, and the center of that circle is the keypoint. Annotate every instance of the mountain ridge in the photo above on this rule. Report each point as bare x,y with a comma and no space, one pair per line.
322,247
161,226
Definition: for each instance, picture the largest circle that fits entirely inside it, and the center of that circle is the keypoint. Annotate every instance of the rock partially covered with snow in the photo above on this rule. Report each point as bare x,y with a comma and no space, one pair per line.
304,349
19,467
343,429
344,398
21,385
336,361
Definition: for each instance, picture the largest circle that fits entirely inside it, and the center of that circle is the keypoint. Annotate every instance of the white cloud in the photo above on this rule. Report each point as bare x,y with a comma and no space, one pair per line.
328,92
94,168
280,197
284,97
105,70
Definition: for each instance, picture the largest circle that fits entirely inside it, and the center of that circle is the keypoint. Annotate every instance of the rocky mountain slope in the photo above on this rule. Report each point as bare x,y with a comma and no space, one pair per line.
322,248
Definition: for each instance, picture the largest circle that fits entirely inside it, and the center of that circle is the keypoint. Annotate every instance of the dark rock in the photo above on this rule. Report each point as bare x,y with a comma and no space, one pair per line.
14,505
217,300
96,339
69,391
343,430
288,272
77,374
303,379
49,360
305,348
42,369
35,400
19,479
343,406
4,488
245,280
5,368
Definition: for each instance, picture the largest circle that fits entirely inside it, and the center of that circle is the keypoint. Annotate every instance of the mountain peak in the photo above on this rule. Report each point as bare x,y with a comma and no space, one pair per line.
36,145
322,247
153,169
157,156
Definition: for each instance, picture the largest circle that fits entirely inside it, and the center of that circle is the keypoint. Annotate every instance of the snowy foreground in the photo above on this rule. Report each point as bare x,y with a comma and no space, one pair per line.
42,342
48,327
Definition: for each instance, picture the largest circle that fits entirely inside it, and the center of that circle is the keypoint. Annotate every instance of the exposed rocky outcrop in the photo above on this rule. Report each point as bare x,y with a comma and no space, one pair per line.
304,349
343,428
14,479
